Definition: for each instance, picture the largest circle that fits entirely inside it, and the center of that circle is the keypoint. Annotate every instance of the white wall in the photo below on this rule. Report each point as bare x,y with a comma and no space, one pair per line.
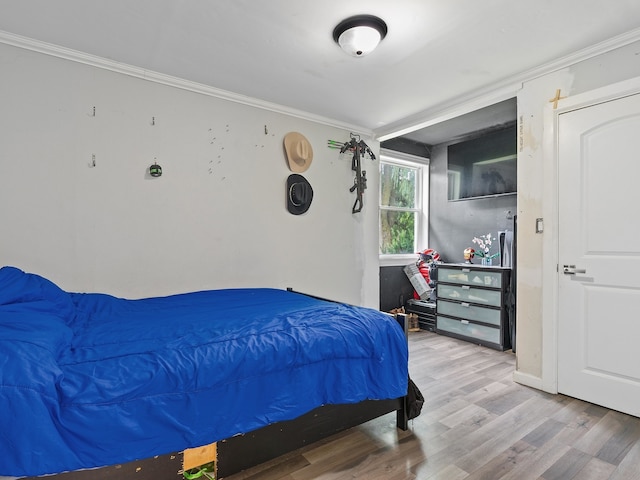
216,218
537,193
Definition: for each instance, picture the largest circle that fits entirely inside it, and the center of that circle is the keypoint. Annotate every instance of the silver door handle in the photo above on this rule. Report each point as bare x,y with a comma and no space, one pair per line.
572,270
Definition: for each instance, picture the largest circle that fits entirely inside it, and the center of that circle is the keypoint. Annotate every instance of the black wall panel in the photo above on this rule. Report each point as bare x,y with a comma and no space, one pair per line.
395,288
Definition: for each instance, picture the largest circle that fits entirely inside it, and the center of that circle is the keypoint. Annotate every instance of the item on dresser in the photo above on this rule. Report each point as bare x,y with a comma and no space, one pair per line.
468,253
472,304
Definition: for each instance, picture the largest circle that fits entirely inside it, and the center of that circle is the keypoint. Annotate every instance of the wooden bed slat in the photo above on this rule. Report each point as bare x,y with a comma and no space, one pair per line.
195,457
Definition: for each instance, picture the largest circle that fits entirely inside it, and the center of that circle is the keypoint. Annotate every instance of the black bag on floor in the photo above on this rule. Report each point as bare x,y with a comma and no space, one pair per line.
415,400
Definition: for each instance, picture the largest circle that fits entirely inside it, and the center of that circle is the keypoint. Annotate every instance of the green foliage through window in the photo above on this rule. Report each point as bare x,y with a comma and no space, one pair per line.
398,208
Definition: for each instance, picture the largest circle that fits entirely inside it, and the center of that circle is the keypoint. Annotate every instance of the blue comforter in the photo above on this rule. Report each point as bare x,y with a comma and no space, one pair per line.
88,380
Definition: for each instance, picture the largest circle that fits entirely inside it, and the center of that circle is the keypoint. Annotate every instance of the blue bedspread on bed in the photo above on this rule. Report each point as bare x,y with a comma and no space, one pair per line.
88,380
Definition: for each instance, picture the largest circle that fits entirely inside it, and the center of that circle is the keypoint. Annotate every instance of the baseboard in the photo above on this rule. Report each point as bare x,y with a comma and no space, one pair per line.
527,380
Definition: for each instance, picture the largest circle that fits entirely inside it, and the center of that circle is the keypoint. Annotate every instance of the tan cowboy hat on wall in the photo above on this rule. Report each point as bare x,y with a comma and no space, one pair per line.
299,152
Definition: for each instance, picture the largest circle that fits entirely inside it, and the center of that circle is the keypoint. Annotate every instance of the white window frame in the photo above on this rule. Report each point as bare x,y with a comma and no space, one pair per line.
422,201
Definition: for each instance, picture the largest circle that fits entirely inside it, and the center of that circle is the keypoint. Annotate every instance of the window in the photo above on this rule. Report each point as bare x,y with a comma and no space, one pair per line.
402,208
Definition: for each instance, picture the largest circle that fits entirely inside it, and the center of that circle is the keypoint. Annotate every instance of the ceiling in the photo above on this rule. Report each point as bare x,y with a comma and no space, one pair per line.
437,53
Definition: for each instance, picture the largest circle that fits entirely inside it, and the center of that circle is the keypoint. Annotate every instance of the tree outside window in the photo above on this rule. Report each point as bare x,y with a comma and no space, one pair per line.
400,207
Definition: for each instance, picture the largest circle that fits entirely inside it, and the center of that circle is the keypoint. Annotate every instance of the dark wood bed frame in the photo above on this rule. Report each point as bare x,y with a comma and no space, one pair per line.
253,448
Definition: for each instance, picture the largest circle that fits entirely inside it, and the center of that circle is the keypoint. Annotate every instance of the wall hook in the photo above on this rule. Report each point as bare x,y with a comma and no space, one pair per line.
92,164
155,170
153,120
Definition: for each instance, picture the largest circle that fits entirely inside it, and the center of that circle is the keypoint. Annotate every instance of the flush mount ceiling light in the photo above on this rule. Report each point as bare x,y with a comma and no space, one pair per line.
360,35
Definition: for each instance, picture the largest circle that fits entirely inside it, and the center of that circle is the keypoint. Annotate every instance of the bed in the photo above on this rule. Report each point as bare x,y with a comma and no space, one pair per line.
91,380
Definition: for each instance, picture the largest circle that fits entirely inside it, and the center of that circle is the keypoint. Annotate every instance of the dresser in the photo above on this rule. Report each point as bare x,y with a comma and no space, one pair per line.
472,304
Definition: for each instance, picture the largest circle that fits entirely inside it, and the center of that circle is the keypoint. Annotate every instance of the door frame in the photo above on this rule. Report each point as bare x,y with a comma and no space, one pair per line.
550,241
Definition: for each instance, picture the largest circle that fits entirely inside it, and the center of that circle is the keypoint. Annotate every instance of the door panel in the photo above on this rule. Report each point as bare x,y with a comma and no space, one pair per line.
599,248
603,325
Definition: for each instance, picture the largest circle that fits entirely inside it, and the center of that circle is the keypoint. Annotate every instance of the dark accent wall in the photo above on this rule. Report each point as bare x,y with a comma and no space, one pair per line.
395,288
453,224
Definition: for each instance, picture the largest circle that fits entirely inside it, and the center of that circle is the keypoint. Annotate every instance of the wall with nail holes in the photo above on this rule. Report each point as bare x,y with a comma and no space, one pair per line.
80,207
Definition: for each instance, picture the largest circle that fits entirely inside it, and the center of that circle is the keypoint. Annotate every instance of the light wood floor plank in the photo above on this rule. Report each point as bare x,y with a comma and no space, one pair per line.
597,436
534,465
545,432
577,427
503,463
622,440
468,412
568,466
629,467
596,470
450,472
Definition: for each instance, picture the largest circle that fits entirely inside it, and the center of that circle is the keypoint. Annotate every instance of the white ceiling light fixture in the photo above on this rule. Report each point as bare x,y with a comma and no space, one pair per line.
360,35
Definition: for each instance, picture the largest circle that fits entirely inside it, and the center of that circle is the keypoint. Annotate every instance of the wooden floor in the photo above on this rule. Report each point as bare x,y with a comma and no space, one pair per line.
476,424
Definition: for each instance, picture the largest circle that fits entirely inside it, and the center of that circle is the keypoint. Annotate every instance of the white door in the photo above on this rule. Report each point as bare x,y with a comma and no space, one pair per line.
599,254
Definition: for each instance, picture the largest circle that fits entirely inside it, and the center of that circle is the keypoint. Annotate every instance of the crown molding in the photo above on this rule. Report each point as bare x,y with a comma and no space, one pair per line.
499,91
480,98
171,81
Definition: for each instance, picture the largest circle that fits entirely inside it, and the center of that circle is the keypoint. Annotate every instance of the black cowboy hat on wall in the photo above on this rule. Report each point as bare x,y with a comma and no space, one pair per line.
299,194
